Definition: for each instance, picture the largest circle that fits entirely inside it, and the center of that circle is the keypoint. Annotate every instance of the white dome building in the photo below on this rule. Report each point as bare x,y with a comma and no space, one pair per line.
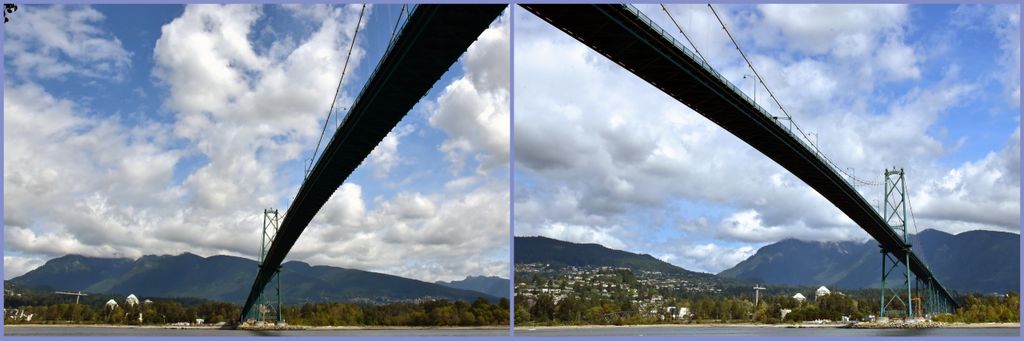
111,304
799,297
131,301
822,291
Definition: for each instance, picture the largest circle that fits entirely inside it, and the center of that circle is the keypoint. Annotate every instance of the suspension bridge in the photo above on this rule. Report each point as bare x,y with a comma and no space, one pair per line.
428,43
626,36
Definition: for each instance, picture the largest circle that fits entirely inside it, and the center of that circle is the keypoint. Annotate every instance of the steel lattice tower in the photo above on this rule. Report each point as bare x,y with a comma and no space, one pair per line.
266,303
894,210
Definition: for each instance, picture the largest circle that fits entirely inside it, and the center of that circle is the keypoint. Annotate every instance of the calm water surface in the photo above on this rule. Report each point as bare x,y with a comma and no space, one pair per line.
752,331
107,331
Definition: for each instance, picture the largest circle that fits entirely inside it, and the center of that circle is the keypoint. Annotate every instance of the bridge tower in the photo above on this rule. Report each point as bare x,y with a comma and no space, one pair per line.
894,211
269,302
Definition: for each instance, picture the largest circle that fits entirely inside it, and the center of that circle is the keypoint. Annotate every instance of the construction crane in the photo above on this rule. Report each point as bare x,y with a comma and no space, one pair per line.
78,295
757,292
917,299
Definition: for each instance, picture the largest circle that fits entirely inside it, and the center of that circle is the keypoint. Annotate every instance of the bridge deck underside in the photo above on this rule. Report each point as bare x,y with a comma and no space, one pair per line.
624,37
431,40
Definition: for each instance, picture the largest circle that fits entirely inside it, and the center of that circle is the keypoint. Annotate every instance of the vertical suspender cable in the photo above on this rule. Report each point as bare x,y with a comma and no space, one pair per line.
779,104
398,20
684,34
338,90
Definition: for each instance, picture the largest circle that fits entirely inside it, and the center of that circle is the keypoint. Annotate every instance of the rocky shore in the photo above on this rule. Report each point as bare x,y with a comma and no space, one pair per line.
928,324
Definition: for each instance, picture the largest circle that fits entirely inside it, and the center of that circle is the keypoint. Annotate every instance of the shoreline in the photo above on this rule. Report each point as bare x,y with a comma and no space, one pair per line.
289,327
1014,325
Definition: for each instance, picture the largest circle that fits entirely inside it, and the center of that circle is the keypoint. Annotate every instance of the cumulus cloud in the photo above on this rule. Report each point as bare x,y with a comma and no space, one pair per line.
713,258
385,155
844,29
474,110
426,236
978,194
15,265
54,41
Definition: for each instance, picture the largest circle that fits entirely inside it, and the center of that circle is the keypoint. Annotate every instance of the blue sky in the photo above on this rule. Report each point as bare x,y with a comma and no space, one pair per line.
934,89
175,126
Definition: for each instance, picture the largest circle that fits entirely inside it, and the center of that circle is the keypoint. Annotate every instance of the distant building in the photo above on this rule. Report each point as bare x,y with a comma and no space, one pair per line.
111,304
799,297
822,291
146,302
131,301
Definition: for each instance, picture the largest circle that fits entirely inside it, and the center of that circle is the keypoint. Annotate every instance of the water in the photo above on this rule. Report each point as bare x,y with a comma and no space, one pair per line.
114,331
593,331
763,331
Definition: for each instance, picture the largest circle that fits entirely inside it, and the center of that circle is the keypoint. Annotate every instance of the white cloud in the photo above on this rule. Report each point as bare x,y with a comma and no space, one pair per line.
898,61
428,237
1005,22
15,265
50,149
712,258
843,28
385,155
580,234
474,110
981,194
1002,21
54,41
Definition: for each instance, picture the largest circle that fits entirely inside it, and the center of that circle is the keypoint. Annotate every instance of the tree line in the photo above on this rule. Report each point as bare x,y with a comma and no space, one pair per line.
431,313
858,306
986,309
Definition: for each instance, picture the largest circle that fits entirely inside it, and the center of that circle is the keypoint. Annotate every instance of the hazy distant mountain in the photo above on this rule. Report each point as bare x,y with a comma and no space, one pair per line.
491,285
227,278
561,253
974,261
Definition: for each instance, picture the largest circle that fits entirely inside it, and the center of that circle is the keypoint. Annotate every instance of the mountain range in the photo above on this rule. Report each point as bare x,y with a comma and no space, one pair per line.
491,285
974,261
557,253
228,278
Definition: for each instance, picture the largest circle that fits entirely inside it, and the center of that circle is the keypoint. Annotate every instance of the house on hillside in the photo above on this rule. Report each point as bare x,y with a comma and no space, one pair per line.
822,291
131,301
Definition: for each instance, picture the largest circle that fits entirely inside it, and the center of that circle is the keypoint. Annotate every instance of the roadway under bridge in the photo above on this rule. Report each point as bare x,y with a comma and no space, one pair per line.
428,44
627,37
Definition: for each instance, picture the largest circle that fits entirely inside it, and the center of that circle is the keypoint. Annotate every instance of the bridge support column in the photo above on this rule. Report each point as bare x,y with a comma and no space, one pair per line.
267,302
894,210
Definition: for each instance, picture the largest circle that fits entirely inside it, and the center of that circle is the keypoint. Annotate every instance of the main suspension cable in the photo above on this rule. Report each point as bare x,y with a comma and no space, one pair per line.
684,34
398,20
337,91
917,233
779,104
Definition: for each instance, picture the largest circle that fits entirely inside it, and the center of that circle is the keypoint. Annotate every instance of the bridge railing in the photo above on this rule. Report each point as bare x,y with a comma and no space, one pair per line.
801,138
391,44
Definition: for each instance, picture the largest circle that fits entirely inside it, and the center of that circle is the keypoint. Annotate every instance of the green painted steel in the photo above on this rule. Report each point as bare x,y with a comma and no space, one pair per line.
894,209
271,224
895,212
